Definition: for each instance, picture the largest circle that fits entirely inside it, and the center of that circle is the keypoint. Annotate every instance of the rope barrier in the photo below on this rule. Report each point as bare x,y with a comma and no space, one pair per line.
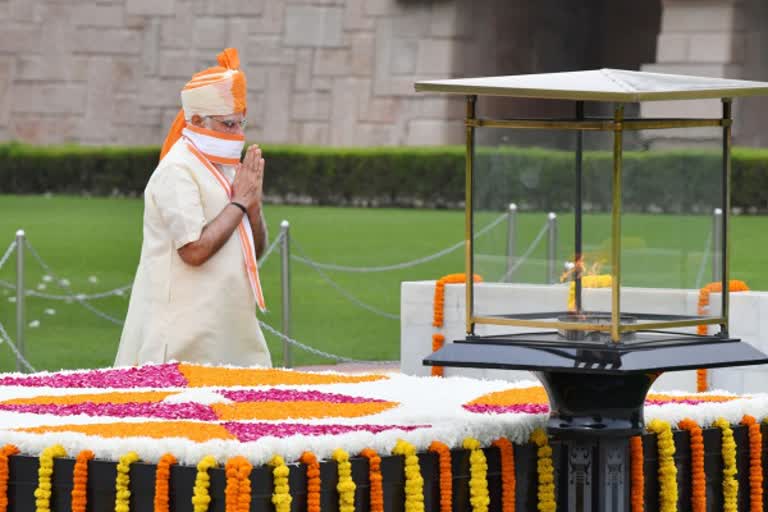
64,285
399,266
5,337
79,298
342,291
7,254
269,250
119,291
526,254
302,257
315,351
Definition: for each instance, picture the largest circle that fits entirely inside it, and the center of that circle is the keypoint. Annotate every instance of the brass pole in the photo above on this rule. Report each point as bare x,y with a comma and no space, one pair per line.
468,215
726,201
594,124
618,116
578,230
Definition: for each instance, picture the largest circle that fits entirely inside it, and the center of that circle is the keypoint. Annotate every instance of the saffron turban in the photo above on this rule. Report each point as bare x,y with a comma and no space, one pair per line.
217,91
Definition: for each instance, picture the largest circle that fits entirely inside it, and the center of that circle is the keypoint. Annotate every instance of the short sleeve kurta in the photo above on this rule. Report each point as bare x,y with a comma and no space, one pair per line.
202,314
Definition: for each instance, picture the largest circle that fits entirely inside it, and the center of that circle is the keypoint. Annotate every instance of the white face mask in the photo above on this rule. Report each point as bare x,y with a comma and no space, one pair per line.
218,147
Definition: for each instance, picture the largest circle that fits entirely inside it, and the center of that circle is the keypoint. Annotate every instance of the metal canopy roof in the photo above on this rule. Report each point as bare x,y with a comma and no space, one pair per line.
599,85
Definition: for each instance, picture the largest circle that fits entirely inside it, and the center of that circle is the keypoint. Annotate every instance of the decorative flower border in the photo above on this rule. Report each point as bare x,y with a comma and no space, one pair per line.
734,285
515,412
238,470
438,311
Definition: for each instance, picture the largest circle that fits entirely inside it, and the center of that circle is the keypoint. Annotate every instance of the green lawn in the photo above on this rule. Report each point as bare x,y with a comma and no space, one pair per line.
87,238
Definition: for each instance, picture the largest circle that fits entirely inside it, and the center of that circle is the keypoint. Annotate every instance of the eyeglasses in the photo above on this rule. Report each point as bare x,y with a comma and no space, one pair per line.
230,124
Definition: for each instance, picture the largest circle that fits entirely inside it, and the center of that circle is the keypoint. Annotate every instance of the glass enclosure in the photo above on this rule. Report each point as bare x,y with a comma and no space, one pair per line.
595,234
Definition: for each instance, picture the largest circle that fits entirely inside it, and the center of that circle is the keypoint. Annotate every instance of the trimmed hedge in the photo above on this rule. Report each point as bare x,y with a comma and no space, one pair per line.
536,179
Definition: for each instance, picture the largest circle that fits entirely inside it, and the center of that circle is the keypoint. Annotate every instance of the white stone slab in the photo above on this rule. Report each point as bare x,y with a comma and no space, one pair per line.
746,309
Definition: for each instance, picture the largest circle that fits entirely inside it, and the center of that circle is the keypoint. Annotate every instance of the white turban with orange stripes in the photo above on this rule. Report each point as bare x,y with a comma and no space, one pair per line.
217,91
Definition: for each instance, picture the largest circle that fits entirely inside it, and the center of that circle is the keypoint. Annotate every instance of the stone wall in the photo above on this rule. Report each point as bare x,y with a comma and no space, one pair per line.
330,72
718,38
337,72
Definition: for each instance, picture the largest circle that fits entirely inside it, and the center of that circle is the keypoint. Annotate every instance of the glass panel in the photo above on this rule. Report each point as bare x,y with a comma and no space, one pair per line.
526,259
671,187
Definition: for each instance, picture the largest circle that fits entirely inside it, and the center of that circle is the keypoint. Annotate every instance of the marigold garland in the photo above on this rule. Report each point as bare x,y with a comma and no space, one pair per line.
123,482
313,481
117,397
438,342
755,464
636,462
414,482
375,478
592,281
446,475
346,486
730,484
45,471
193,430
702,379
281,497
80,481
279,410
244,499
6,452
667,468
508,478
698,477
201,498
237,493
734,285
546,472
198,376
478,479
438,303
438,311
162,479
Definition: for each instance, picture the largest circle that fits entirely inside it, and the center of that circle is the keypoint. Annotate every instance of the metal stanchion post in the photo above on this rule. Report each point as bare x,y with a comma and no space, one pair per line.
20,238
511,239
551,247
717,245
285,281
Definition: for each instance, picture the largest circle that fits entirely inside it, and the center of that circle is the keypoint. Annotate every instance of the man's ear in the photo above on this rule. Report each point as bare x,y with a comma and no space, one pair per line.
196,120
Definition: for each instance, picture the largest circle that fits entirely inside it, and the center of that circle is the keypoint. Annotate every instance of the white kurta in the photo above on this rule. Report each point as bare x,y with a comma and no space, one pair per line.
203,314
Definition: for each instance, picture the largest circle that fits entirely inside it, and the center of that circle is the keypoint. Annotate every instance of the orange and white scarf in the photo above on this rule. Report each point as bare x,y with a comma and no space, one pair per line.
217,147
244,228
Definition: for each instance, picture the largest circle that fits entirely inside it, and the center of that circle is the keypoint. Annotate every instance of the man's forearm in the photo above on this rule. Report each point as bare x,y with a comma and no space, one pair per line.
213,237
259,230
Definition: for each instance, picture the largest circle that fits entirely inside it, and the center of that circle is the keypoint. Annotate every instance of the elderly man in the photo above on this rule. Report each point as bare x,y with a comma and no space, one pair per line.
197,286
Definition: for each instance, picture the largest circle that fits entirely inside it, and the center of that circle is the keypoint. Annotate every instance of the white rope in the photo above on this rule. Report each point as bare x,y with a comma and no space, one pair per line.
112,319
65,286
526,254
4,335
8,253
342,291
269,250
315,351
80,296
399,266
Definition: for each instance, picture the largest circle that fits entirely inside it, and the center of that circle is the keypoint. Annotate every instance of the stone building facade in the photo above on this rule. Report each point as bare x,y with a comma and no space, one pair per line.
337,72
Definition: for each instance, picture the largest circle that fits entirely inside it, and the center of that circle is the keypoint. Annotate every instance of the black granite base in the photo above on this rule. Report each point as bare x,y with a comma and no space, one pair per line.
575,480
